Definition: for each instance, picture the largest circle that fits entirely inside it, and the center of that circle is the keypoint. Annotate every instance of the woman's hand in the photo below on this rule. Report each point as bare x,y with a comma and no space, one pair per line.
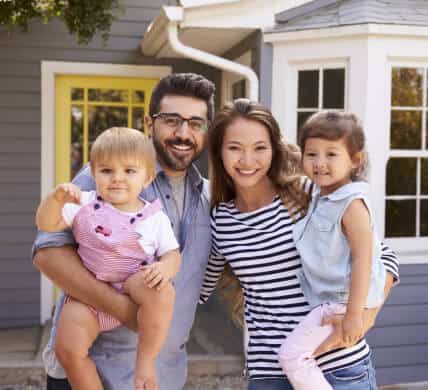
336,339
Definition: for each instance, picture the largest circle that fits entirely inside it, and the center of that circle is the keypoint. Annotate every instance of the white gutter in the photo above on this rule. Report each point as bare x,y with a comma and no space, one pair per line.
213,60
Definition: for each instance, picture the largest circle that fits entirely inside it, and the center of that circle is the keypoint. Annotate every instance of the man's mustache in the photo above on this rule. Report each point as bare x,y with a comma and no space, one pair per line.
178,142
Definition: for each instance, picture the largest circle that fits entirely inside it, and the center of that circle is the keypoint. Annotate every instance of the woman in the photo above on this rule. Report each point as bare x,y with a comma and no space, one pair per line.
257,196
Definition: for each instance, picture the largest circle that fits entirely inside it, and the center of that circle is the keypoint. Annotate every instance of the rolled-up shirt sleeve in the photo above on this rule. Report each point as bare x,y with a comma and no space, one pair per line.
86,182
390,261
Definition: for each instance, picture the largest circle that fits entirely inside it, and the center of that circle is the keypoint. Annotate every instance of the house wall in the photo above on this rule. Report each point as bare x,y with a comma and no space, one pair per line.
20,136
261,62
399,340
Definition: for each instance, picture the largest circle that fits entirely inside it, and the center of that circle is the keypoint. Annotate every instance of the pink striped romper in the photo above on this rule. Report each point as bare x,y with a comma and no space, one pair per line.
109,245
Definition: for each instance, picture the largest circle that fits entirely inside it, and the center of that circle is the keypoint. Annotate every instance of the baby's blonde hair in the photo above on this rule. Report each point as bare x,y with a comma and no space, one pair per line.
124,143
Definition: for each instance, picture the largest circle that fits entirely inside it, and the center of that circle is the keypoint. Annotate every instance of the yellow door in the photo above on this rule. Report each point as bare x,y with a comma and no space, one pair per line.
88,105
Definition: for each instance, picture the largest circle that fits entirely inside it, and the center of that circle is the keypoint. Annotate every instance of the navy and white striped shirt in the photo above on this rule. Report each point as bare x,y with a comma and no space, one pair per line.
259,247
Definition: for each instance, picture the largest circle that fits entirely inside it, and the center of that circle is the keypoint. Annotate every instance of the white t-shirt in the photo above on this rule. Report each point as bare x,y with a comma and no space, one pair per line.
157,236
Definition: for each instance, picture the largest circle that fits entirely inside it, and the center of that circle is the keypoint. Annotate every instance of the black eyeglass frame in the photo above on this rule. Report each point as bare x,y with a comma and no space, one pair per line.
182,119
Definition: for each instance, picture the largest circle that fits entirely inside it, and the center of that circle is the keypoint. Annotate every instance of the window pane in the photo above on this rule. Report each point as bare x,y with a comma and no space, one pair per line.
138,118
76,93
334,88
137,96
406,87
424,217
424,178
400,218
406,129
401,176
301,118
107,95
76,159
308,85
102,118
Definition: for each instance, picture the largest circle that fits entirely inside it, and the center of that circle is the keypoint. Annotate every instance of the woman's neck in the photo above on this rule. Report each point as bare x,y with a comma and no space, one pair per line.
251,199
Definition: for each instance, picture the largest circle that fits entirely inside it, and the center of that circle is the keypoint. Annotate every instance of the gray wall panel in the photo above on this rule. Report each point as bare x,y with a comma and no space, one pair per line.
399,340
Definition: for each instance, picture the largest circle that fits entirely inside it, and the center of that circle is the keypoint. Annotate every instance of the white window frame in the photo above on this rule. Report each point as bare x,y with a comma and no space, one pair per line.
320,66
412,250
49,69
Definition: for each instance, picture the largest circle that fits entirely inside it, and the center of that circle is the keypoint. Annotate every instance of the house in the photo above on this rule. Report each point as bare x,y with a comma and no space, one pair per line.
296,56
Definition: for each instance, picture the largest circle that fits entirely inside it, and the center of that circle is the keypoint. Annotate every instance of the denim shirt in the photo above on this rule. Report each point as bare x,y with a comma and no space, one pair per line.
114,351
325,251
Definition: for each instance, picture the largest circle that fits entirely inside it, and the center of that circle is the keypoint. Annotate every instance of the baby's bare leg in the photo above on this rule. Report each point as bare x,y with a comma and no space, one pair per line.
77,330
154,317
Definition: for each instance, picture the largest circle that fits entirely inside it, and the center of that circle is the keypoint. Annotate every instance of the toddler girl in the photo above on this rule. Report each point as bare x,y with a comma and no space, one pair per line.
341,268
120,237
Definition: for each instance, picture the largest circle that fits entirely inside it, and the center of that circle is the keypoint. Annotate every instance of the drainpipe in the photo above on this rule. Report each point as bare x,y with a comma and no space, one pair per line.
213,60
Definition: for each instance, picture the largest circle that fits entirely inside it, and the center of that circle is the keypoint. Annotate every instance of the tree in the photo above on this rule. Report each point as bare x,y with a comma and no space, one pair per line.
84,18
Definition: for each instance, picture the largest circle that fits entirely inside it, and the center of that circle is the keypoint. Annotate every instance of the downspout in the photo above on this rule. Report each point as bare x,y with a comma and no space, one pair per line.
213,60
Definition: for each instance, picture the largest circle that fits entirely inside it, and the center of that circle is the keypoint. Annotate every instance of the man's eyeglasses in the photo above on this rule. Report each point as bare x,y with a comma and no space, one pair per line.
174,121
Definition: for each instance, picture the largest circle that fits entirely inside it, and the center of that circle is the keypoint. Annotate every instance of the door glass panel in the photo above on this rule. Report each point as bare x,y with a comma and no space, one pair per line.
406,87
137,96
76,150
334,88
308,83
400,218
401,176
138,118
77,93
107,95
406,129
102,118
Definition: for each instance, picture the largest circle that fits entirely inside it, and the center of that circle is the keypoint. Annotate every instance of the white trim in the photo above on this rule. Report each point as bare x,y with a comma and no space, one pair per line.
347,31
49,70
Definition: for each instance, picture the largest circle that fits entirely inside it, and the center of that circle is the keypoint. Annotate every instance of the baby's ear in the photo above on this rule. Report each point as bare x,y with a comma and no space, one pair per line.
358,159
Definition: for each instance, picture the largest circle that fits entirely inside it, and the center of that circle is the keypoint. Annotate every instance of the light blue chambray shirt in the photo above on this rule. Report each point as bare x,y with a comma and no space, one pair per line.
325,251
114,351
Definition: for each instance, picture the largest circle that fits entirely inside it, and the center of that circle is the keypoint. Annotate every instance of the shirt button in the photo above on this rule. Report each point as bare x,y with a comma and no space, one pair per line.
167,196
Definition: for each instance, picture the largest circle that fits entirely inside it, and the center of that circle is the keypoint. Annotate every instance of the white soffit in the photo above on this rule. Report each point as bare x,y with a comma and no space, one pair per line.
212,26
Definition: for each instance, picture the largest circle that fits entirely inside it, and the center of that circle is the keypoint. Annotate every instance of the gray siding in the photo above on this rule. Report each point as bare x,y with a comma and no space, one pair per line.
399,340
20,96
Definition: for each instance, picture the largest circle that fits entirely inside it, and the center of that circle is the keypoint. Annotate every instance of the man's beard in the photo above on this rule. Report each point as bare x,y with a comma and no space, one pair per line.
172,161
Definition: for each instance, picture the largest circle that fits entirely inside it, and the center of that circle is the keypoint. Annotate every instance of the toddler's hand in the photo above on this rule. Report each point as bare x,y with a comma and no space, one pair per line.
353,328
156,275
67,193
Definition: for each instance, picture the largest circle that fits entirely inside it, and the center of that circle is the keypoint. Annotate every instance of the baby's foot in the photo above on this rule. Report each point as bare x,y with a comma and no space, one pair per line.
145,376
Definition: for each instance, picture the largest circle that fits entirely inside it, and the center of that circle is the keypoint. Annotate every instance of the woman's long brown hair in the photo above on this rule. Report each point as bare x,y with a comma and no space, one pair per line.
284,174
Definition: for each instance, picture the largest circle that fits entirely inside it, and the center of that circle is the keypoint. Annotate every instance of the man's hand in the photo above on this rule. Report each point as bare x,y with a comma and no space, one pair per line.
335,340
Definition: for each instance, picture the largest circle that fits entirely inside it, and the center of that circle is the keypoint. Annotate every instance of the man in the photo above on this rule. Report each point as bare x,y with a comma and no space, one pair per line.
181,107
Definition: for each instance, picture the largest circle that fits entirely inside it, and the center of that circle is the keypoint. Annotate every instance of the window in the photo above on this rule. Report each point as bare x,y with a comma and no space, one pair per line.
318,89
406,213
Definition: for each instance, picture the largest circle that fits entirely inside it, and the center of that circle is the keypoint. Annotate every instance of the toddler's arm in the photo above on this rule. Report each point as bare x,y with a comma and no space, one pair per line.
357,228
49,214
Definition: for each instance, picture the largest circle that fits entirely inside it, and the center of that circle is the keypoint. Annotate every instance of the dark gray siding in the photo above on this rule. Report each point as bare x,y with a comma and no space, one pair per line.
400,339
20,96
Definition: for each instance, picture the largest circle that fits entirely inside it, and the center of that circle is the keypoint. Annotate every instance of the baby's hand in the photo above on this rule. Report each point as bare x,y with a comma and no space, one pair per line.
67,193
352,325
157,275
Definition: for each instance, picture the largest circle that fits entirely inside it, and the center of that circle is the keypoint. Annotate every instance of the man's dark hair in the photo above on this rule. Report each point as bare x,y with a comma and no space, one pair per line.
184,84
